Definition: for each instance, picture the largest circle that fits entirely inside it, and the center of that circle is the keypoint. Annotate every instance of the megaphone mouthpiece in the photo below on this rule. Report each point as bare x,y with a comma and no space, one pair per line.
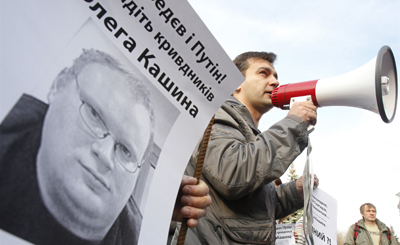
281,95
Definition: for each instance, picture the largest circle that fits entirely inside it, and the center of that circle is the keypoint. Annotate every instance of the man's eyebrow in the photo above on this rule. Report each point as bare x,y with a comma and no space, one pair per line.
271,70
115,134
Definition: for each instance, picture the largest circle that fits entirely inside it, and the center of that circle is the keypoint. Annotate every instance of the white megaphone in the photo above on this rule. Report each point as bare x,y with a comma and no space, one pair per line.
372,87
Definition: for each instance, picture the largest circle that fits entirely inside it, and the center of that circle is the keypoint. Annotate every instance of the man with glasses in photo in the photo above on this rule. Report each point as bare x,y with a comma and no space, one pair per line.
68,169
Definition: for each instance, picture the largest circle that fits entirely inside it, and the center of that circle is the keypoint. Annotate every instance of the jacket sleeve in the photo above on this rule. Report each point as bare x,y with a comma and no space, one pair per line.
235,167
288,199
350,236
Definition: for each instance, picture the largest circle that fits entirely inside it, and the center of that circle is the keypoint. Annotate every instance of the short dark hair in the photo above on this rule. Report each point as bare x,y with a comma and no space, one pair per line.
242,61
370,205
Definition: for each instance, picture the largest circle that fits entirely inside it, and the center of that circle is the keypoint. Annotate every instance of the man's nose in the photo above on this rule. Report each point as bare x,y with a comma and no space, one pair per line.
274,82
103,151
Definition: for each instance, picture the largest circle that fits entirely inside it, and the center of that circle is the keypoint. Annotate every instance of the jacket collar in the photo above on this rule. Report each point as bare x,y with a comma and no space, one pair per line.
242,109
381,226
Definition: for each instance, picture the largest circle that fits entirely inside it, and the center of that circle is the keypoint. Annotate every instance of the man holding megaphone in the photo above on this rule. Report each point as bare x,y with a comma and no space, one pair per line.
242,163
255,92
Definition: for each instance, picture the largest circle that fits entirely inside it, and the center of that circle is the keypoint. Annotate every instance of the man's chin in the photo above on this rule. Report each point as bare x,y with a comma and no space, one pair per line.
85,200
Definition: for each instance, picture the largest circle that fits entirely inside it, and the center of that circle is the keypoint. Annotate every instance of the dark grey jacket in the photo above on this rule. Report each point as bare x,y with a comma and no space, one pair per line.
240,164
364,237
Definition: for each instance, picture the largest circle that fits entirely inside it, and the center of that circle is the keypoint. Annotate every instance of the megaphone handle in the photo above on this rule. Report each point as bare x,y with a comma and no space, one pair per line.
310,128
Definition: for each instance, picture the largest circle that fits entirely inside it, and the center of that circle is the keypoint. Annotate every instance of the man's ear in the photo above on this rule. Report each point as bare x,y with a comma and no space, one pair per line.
238,89
59,82
52,92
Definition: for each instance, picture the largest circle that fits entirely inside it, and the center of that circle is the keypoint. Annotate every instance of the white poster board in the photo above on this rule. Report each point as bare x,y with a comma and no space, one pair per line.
160,44
324,229
325,218
284,234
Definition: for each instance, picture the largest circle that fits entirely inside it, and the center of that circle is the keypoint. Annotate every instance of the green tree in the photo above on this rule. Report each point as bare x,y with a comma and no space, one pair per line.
292,173
293,217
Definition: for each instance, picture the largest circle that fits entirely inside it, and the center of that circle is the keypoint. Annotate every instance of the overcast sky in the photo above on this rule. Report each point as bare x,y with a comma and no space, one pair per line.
355,154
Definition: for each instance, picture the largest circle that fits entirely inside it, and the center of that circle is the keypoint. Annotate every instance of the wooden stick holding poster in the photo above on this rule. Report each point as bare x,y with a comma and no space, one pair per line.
197,174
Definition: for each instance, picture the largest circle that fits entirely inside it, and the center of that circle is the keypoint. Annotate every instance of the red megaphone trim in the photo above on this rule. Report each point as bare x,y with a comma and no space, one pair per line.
281,95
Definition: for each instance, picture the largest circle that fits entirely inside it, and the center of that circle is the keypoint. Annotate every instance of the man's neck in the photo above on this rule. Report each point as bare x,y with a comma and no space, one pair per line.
255,114
368,222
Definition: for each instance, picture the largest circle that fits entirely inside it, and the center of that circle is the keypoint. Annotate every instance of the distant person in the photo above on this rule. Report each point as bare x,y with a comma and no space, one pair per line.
68,169
369,230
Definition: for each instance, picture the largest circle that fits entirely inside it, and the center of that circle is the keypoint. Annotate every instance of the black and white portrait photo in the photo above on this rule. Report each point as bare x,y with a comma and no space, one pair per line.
101,105
75,169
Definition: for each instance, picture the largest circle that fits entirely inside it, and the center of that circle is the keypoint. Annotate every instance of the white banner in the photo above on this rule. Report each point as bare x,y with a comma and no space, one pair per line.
102,104
325,218
284,234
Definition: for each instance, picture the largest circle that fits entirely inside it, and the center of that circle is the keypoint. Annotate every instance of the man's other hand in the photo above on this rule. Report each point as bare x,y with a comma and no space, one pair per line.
299,184
192,201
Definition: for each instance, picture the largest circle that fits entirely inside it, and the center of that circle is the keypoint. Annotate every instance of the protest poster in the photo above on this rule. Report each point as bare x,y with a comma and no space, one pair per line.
324,231
285,234
325,218
102,104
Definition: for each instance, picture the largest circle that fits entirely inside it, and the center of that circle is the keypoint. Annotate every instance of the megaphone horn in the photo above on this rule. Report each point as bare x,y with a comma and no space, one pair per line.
372,87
